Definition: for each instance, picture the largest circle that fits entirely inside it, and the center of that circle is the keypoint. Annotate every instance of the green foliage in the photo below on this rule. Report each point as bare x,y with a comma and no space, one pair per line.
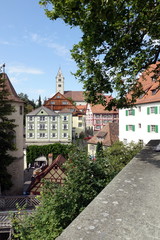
99,149
35,151
119,40
6,135
85,178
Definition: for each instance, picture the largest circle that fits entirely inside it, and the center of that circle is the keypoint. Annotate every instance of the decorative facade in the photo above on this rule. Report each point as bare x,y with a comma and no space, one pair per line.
59,102
141,123
44,126
53,173
97,116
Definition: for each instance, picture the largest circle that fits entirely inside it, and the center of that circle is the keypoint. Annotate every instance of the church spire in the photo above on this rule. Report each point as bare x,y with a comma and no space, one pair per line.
60,82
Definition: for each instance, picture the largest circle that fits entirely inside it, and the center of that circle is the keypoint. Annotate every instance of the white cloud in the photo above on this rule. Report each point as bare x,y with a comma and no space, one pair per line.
59,49
5,43
23,69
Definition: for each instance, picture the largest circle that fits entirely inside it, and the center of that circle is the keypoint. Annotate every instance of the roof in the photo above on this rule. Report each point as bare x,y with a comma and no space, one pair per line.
57,162
76,96
150,81
9,87
99,108
37,110
107,135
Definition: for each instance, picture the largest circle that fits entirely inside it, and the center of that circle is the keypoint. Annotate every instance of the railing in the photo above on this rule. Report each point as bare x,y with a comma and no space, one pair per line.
12,202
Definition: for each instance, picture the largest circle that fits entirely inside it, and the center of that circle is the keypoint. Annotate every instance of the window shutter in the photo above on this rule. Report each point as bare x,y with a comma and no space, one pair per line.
156,110
133,128
156,128
148,128
126,127
126,112
148,110
45,126
133,112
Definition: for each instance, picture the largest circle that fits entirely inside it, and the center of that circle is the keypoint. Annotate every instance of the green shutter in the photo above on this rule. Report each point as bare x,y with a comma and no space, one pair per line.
148,128
133,112
156,110
156,128
133,128
126,127
126,112
148,110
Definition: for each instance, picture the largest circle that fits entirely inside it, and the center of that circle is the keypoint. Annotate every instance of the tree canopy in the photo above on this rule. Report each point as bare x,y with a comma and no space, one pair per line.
6,135
119,40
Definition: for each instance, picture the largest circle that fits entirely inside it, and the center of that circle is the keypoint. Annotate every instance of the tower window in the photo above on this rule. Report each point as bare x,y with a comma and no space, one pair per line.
59,80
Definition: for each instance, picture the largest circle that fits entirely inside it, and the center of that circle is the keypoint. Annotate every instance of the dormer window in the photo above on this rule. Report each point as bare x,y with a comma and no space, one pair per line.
153,79
154,91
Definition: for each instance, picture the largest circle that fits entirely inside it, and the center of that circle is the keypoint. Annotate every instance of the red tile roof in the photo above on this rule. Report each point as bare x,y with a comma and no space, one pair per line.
99,108
107,135
149,84
76,96
12,93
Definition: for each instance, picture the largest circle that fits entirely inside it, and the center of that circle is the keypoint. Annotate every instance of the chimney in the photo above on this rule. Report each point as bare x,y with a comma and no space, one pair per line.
50,158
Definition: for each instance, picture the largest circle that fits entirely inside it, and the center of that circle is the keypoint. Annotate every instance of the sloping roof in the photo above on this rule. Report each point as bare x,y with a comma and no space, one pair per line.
9,87
148,85
57,162
47,110
107,135
76,96
99,108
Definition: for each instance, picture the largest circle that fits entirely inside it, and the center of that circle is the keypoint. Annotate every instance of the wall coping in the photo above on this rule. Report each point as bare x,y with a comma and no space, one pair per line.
128,207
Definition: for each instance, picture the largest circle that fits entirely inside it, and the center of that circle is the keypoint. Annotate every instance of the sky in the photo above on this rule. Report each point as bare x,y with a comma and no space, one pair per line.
33,48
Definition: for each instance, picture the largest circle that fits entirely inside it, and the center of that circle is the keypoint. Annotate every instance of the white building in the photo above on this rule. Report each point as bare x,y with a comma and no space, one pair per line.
142,122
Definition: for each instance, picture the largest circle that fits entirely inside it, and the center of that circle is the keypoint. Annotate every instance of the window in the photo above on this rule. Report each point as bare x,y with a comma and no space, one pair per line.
139,125
139,108
97,121
42,135
105,121
153,128
98,127
30,135
80,118
152,110
52,102
104,115
130,127
58,96
130,112
125,141
153,79
64,103
42,126
97,115
65,118
54,126
65,135
65,126
53,135
30,126
30,118
59,85
53,118
42,118
20,110
80,124
154,91
59,80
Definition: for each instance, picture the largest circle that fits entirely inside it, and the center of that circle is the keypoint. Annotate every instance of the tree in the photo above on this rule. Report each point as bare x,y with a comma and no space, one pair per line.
6,135
29,105
119,40
85,178
99,149
39,102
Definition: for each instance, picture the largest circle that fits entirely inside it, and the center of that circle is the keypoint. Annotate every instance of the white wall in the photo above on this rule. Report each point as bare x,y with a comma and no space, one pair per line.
141,117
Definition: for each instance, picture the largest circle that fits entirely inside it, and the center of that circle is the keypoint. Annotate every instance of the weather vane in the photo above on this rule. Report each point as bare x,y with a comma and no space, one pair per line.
2,68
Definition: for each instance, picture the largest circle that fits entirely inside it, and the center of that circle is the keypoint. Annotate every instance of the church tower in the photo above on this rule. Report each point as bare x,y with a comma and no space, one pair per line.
60,82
